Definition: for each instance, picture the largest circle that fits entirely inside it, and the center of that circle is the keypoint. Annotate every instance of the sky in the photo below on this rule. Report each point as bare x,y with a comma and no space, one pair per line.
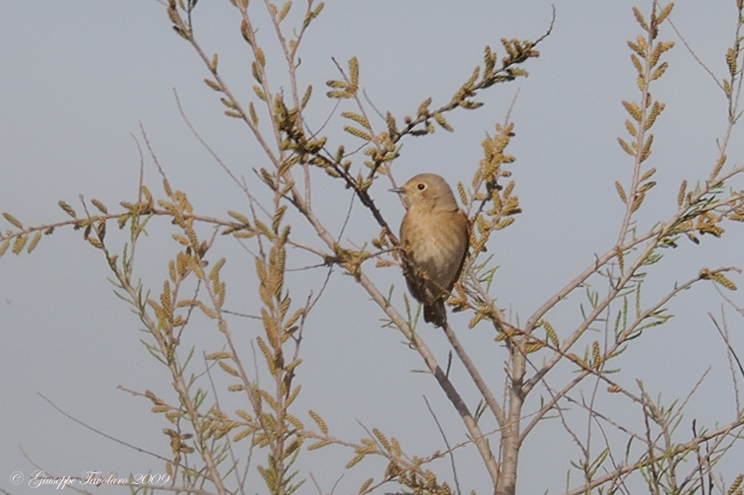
83,79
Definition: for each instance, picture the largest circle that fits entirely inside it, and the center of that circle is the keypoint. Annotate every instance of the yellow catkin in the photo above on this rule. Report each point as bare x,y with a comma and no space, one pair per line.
295,422
242,434
681,193
10,218
34,242
357,132
319,421
551,334
718,277
621,192
228,369
734,489
597,355
382,438
19,243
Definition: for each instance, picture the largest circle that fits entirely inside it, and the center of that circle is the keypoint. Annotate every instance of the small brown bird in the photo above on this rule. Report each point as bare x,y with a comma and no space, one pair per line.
434,235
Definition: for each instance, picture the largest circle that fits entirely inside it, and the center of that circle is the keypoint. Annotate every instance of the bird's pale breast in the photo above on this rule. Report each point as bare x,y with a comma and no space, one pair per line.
436,242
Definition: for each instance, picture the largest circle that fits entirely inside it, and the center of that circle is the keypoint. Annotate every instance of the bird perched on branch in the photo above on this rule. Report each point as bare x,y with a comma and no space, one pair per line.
434,236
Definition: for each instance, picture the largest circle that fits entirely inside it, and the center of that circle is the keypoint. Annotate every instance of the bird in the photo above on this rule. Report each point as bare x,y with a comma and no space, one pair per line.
434,237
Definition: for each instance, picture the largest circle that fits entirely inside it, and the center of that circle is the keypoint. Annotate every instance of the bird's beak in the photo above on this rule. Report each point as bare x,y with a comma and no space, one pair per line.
398,190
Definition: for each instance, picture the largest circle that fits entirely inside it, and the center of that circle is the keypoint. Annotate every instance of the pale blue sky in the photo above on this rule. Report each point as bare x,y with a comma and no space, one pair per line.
78,78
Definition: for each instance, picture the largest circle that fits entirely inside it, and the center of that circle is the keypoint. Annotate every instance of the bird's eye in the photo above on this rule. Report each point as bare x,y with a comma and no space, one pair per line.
421,186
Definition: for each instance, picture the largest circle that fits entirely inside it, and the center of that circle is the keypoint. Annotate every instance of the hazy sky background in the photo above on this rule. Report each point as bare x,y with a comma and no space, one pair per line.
78,79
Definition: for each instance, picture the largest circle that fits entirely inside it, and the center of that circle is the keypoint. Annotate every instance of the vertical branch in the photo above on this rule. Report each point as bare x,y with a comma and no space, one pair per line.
510,437
167,342
644,112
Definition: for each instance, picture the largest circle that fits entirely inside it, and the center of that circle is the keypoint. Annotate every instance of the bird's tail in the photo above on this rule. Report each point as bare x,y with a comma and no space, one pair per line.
435,313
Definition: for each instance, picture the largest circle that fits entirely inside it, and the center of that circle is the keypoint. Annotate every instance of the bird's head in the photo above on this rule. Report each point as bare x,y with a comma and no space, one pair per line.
429,191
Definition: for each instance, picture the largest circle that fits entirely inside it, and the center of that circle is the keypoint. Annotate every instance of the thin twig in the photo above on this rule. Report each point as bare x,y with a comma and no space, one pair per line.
692,52
446,443
101,433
